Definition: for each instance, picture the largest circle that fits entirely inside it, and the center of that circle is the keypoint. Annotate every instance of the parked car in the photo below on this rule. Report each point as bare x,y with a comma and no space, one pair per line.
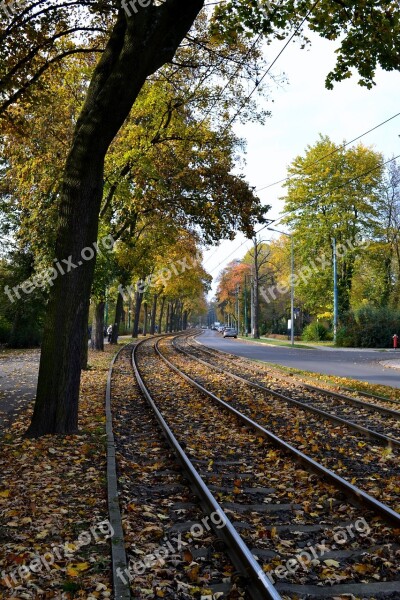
230,332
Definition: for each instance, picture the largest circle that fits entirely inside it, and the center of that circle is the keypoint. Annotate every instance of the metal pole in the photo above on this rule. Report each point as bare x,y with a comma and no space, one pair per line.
246,332
335,292
292,293
251,306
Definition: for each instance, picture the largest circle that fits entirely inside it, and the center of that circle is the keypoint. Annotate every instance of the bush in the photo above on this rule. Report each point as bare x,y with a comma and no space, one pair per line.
314,332
368,327
5,330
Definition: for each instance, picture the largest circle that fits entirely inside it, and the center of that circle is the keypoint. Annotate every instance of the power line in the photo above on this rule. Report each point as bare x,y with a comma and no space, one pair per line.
348,181
240,245
296,31
333,151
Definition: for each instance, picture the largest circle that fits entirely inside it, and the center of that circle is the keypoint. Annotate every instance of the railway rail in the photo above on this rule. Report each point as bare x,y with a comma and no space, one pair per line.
294,528
366,463
269,371
372,420
159,510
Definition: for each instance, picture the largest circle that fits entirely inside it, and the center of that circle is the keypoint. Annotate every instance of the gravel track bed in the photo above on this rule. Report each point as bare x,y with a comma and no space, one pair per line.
159,509
365,463
279,508
366,416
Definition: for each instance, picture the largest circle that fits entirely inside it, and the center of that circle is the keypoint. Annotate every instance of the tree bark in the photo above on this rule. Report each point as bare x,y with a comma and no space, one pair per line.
138,46
153,315
138,306
117,319
160,318
97,340
85,347
146,314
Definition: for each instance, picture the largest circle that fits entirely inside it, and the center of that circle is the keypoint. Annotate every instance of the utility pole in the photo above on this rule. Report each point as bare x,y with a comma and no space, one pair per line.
238,308
256,305
291,291
246,332
290,235
252,303
335,291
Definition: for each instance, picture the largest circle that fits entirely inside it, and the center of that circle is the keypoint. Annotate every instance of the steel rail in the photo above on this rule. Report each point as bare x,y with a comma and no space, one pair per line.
358,496
370,433
370,395
258,584
350,399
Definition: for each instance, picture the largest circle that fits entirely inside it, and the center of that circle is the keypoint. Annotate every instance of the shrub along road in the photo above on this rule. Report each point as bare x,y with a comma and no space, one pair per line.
363,365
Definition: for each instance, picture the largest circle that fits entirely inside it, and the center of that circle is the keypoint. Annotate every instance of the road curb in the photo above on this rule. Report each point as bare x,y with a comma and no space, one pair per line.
118,554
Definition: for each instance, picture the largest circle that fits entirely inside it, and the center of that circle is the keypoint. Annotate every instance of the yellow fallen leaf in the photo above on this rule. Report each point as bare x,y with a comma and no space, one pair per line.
82,566
331,563
5,494
71,572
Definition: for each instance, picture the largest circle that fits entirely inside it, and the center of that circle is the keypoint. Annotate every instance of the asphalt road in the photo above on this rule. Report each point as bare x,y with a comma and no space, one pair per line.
18,377
357,364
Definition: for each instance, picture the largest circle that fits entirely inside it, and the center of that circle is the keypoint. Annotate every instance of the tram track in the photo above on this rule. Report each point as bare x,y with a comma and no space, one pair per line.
374,421
279,507
270,373
159,510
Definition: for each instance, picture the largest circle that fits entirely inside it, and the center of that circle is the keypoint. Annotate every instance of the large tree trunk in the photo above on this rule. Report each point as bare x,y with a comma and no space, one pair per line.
146,315
85,345
117,320
138,306
138,46
160,318
153,315
97,340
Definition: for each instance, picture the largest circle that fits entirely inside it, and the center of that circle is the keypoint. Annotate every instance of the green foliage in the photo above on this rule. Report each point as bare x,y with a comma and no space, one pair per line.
5,330
315,332
337,190
21,319
369,327
368,31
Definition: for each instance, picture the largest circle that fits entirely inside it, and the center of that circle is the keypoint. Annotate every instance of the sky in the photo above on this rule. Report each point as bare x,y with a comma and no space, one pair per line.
302,110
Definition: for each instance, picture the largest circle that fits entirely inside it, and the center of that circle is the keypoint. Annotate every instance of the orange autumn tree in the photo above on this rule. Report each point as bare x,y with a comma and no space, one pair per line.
230,281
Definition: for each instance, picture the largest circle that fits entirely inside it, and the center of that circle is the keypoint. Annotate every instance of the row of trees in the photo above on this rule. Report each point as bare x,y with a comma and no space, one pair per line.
168,188
127,53
352,196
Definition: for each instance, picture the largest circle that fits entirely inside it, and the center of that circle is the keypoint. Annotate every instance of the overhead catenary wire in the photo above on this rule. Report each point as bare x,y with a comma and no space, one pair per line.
322,158
342,185
248,97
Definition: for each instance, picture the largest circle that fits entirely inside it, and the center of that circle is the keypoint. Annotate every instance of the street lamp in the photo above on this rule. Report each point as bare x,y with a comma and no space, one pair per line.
290,235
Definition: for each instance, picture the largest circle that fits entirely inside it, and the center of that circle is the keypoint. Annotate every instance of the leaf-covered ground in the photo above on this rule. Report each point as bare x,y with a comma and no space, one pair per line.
363,462
158,508
53,507
278,507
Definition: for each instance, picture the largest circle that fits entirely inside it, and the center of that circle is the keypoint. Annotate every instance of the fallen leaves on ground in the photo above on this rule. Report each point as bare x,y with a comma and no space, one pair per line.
52,491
